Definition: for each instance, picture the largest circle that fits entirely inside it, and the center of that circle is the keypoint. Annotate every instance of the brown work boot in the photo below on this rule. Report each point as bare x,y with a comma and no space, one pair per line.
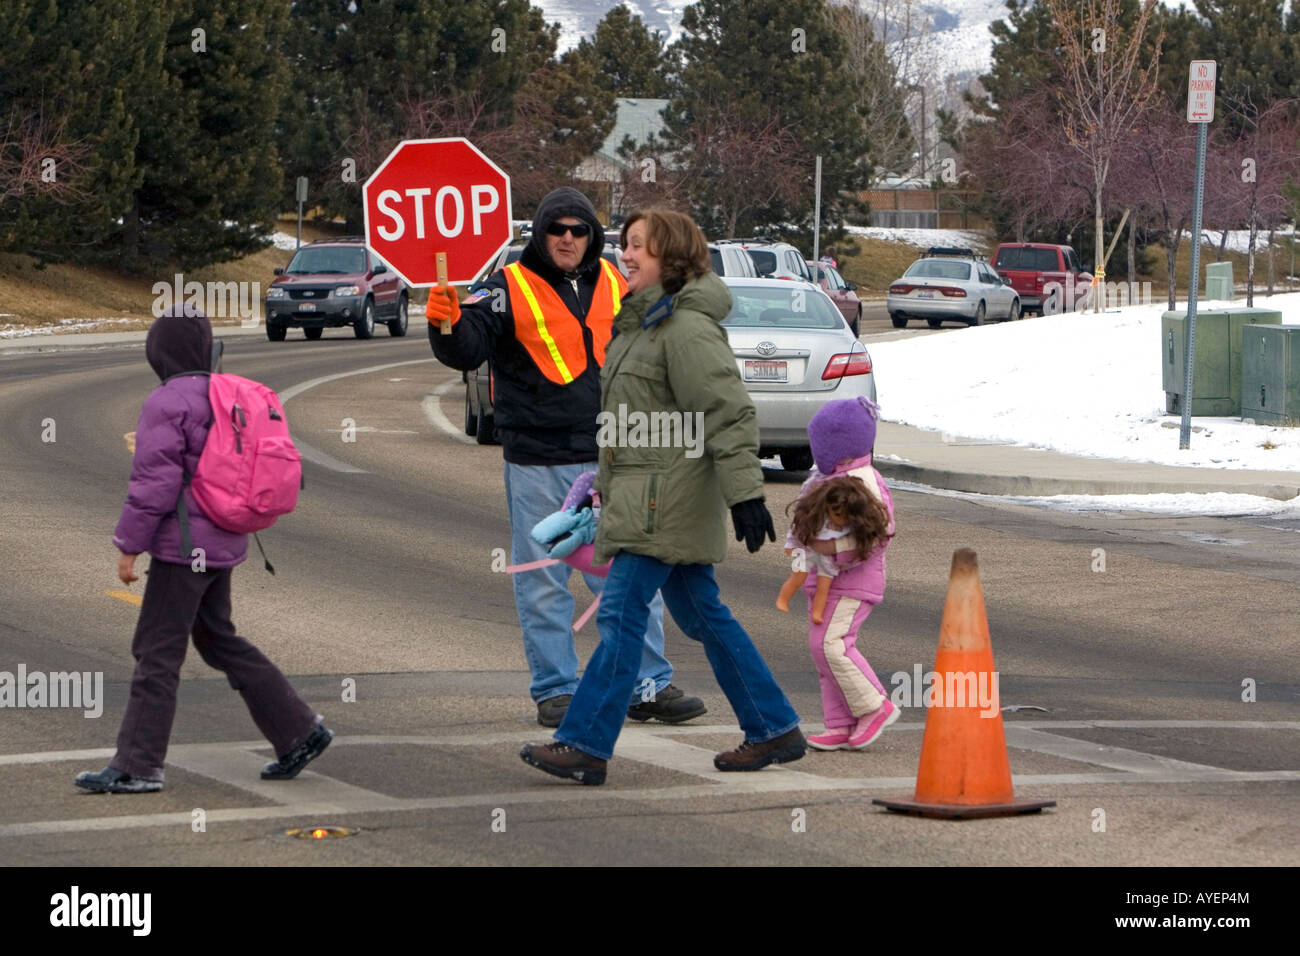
783,749
564,761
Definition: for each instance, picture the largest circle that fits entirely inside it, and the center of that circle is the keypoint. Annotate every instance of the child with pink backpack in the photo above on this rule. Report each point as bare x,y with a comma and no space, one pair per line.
212,461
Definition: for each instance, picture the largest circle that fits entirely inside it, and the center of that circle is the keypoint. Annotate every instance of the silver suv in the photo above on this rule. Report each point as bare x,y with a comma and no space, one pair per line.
729,259
776,260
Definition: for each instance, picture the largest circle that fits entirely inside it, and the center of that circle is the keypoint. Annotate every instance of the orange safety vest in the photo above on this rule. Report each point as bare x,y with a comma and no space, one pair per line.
550,332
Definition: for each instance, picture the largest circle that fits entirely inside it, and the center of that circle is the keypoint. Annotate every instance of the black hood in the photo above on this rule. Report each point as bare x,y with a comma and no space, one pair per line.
558,204
180,340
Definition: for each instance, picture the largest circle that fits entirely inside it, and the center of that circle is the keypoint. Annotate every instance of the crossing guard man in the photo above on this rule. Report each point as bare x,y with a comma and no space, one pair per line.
544,322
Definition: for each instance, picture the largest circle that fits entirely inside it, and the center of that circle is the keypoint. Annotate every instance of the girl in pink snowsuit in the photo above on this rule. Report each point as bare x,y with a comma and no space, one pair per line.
855,706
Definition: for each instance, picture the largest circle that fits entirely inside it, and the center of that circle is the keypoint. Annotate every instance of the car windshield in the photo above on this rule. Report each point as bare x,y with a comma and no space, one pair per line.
332,260
764,262
715,257
939,269
789,308
1033,260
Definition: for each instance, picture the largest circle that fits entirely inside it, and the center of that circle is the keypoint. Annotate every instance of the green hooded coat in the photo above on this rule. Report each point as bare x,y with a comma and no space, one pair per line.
678,433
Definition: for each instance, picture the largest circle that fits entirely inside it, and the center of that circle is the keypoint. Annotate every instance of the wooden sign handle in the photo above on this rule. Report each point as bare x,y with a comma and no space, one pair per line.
441,259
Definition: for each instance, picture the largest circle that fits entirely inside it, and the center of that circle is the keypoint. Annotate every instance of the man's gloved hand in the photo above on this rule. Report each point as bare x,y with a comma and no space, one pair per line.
443,305
752,521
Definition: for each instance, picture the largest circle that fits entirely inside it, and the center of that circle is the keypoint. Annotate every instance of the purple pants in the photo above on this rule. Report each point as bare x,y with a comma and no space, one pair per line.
849,686
178,603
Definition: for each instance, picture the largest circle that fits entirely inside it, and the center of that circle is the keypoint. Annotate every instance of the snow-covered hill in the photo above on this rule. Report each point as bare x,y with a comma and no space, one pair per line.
958,40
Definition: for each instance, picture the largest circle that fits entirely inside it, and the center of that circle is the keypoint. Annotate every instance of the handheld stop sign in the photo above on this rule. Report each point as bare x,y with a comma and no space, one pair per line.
437,211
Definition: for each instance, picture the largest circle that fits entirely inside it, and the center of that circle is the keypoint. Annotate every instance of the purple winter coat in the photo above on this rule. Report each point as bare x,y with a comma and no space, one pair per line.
169,439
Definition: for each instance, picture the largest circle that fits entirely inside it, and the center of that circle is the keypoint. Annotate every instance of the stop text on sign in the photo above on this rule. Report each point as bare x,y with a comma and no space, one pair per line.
448,210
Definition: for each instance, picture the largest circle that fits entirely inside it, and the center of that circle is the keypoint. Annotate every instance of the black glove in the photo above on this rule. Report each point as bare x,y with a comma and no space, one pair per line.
752,521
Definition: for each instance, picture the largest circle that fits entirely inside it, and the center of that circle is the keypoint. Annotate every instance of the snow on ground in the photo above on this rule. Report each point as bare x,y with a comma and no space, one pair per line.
1082,384
9,331
282,240
923,238
1213,505
1238,239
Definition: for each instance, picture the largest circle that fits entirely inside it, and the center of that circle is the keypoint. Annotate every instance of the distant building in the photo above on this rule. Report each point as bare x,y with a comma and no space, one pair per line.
908,203
603,171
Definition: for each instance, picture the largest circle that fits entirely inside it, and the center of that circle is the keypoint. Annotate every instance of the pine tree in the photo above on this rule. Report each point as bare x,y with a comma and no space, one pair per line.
629,59
208,154
362,73
783,58
78,67
1254,52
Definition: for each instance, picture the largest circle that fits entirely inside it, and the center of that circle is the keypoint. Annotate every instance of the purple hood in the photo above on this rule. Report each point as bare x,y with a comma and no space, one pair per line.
169,438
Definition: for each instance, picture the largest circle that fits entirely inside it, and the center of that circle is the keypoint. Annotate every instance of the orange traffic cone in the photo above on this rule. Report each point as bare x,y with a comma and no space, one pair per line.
964,770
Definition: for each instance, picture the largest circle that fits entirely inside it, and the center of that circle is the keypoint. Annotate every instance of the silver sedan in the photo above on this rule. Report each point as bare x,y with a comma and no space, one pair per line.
960,289
794,353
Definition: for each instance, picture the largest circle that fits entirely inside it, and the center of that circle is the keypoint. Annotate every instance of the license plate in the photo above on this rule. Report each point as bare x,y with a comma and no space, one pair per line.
925,295
307,307
764,371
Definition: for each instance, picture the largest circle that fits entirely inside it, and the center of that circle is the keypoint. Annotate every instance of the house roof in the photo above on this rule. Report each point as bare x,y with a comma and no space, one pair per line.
637,118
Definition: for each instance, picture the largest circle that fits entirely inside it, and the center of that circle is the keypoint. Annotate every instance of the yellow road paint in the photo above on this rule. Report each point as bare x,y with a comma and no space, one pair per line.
126,596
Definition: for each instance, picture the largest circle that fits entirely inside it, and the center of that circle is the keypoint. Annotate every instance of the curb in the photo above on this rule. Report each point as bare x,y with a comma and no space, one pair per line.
1035,487
99,340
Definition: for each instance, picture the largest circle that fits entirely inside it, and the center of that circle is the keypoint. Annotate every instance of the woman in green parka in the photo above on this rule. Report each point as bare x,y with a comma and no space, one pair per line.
670,374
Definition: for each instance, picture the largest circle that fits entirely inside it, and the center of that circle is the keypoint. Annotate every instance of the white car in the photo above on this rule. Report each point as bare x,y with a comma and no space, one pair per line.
959,287
794,353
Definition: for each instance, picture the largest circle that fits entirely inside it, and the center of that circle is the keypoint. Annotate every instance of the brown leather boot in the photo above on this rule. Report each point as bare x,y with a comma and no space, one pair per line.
565,761
783,749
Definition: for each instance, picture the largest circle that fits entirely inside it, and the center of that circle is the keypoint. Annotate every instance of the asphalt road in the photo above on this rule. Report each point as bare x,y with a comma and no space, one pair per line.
1137,655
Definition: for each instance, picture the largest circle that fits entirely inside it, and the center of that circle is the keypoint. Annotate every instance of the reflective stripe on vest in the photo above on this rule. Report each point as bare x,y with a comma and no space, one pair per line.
557,347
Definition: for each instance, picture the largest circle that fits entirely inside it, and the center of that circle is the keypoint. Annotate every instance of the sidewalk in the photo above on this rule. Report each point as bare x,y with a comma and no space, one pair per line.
94,340
995,468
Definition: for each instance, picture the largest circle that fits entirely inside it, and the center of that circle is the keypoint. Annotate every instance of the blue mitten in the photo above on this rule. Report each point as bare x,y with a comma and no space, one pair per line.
564,532
555,526
582,532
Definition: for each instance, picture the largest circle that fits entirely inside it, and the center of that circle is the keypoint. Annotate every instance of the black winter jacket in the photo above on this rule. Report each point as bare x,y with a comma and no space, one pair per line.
538,422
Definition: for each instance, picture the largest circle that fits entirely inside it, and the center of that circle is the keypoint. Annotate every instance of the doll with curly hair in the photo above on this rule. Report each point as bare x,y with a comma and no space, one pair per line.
836,509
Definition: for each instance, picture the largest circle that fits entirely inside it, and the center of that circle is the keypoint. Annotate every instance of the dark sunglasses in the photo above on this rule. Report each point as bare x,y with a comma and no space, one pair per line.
579,230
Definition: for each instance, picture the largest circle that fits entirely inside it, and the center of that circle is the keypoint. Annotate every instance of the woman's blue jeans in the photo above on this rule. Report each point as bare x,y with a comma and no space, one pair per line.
596,713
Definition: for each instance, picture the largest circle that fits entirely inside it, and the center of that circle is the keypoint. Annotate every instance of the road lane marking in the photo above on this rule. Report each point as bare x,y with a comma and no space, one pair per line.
126,596
316,794
763,782
315,455
433,412
1102,755
236,768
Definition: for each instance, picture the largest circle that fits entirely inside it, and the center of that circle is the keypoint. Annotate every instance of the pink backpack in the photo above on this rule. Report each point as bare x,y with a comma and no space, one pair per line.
249,472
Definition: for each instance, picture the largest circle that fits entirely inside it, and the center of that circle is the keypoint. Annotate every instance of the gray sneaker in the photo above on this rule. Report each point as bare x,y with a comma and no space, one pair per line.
550,712
109,780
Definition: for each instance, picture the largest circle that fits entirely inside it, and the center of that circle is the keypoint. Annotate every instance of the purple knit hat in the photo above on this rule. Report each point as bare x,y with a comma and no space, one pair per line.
842,430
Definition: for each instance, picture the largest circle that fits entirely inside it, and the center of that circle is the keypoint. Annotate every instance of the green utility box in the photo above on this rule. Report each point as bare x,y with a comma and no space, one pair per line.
1216,383
1270,374
1218,281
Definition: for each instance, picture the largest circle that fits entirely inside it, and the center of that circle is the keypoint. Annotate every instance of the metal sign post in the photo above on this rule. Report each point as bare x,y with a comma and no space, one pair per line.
302,198
1200,110
817,222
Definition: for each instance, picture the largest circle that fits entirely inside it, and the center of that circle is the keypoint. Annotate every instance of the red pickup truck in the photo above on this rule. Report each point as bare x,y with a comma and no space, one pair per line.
1032,265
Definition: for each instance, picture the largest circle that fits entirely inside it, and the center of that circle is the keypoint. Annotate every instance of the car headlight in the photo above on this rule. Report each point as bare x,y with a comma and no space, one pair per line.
347,290
277,292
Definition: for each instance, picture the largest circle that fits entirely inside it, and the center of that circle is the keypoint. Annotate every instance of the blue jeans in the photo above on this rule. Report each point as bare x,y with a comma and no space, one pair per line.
595,716
542,597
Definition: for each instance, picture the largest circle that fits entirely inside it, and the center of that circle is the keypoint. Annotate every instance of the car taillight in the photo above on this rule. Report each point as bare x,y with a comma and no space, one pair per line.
847,363
900,289
953,292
